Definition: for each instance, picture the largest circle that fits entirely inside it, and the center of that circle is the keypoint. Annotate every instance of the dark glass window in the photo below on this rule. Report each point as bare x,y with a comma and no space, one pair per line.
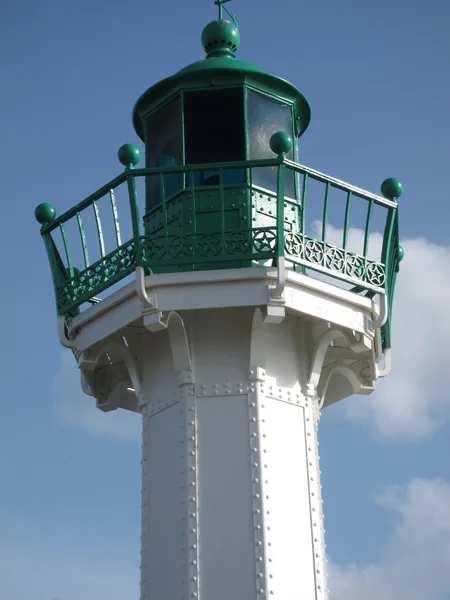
163,141
214,132
266,116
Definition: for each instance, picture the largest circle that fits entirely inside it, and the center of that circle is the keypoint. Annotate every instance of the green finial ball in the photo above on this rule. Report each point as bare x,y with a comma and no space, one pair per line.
281,142
391,188
401,254
129,154
45,213
222,36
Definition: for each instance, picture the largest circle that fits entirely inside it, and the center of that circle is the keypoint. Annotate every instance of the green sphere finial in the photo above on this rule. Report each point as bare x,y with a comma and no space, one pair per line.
220,37
129,155
281,143
401,254
45,213
391,188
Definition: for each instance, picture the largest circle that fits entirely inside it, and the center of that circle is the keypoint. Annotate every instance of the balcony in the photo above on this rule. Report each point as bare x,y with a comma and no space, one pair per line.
216,216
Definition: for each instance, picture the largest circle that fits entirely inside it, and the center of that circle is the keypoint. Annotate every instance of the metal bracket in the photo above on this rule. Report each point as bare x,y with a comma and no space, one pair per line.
63,339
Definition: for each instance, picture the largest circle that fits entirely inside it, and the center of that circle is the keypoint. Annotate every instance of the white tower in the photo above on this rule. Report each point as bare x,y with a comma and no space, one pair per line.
224,338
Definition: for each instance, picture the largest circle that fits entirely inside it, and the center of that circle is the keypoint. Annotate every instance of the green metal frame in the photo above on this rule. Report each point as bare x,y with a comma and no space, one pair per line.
220,248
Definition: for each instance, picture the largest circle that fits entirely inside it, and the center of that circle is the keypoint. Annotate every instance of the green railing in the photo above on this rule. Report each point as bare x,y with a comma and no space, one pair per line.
274,208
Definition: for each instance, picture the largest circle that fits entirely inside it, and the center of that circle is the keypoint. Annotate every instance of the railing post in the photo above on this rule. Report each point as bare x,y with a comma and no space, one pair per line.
56,265
45,214
135,218
281,143
392,252
280,208
129,156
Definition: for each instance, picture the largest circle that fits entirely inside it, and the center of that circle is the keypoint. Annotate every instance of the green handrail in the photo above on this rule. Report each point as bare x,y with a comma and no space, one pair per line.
264,236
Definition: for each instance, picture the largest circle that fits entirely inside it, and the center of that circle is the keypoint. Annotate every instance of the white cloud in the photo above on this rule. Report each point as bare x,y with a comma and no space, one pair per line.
74,408
414,564
413,401
46,563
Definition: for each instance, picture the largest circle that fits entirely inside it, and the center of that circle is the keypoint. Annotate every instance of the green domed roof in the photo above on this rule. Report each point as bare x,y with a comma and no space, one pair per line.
228,62
219,69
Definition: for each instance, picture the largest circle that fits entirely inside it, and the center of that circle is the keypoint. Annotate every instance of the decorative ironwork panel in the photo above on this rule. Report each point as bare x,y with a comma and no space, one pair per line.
333,260
99,276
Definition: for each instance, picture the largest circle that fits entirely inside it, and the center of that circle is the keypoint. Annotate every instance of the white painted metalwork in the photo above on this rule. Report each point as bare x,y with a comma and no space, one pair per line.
230,370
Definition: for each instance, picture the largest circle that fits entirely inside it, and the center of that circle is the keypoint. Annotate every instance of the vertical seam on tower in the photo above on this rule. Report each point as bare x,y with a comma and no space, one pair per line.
144,501
314,498
259,504
324,561
192,489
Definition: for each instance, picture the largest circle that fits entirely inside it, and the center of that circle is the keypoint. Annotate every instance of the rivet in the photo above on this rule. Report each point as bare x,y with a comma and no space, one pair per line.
193,546
193,515
255,495
193,562
254,419
252,404
258,527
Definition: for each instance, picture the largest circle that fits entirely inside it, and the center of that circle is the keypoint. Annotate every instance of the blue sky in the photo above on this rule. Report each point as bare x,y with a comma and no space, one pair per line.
376,76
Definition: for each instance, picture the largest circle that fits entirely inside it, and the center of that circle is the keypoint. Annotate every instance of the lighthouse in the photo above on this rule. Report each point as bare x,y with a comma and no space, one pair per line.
218,291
